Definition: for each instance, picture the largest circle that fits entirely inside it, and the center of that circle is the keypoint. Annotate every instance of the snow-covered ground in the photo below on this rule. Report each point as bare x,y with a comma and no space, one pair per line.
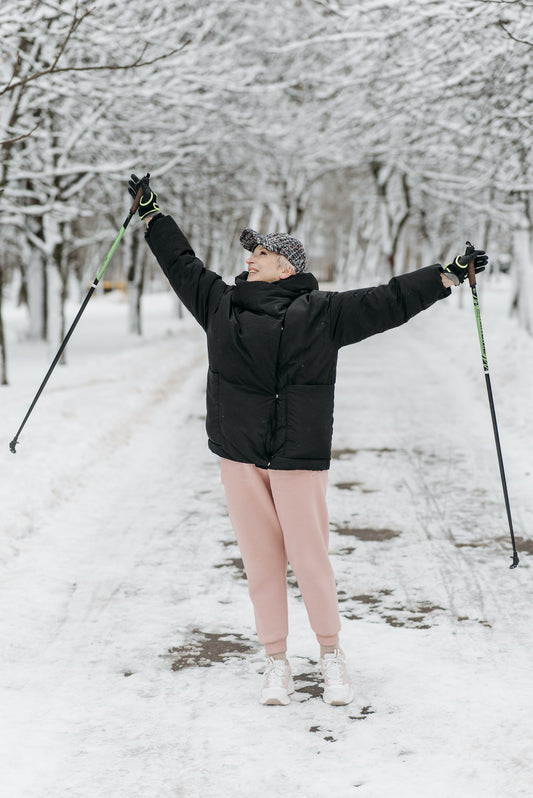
130,666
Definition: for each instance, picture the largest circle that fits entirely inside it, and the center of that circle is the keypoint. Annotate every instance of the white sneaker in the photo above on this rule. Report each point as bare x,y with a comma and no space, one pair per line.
337,687
278,684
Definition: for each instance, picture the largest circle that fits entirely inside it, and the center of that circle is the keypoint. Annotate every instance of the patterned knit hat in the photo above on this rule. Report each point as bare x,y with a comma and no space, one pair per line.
285,245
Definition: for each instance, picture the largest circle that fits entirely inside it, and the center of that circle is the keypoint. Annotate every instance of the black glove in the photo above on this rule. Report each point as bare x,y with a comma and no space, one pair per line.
458,270
148,205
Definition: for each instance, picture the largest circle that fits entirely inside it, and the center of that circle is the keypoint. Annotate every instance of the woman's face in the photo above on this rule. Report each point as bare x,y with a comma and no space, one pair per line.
263,266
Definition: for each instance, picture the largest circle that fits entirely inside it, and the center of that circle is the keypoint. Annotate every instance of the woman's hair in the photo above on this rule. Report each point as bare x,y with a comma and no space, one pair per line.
285,264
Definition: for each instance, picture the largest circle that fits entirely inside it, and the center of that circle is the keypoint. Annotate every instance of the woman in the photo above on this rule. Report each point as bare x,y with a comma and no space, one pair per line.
273,340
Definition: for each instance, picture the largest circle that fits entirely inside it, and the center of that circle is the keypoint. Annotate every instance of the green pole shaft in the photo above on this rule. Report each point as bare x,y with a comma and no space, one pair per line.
480,330
111,252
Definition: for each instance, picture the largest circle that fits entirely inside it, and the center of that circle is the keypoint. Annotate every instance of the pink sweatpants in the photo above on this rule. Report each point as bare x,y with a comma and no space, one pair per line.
280,517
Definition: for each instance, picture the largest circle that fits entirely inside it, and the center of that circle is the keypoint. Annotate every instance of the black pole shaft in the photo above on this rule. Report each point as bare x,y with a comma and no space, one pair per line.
84,304
55,361
472,280
502,469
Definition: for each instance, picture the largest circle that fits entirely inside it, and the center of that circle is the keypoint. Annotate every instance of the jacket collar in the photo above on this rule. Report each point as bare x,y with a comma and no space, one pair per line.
271,298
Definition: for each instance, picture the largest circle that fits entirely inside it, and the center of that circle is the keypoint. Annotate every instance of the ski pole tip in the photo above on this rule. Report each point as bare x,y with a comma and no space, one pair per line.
13,445
515,560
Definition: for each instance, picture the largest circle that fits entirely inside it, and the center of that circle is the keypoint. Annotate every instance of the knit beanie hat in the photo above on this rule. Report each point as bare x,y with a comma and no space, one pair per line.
285,245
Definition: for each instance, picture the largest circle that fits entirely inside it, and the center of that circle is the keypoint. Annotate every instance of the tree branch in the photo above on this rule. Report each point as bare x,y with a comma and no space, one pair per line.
501,23
24,135
102,67
76,22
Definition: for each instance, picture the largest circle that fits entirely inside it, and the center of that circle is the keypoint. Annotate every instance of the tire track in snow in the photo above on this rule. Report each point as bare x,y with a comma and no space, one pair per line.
77,429
137,551
94,693
430,430
473,485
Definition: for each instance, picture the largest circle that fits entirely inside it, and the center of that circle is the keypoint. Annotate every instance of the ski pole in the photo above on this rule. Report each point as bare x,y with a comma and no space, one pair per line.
472,281
84,304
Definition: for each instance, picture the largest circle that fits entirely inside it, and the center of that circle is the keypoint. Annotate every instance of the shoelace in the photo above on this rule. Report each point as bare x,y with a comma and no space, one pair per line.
334,671
278,673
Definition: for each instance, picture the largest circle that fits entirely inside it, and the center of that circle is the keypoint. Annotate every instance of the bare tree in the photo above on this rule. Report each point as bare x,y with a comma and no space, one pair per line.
406,128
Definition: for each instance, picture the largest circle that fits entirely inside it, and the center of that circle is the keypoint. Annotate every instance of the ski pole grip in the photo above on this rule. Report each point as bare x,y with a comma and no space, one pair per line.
136,201
472,274
139,194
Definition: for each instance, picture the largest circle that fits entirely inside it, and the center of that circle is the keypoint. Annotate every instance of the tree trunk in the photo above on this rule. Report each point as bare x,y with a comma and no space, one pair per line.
134,260
522,267
3,353
394,208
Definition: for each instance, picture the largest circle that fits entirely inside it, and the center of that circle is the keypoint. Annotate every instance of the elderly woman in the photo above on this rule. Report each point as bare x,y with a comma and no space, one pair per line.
273,340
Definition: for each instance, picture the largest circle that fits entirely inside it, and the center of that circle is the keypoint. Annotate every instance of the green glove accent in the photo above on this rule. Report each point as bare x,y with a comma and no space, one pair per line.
458,270
148,205
455,272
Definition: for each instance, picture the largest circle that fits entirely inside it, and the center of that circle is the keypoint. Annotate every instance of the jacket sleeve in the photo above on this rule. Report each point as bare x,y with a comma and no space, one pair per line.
198,288
358,314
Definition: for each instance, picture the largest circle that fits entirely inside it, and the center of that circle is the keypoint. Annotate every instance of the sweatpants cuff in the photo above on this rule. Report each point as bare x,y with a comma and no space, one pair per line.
331,640
278,647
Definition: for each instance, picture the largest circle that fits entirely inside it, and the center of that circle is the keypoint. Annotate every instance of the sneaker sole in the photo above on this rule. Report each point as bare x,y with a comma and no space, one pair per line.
278,700
339,702
275,702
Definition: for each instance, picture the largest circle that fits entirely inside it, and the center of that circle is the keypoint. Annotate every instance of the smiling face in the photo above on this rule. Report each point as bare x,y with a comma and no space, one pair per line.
267,267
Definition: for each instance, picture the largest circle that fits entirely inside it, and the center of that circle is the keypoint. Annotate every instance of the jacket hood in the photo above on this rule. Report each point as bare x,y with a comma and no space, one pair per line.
271,298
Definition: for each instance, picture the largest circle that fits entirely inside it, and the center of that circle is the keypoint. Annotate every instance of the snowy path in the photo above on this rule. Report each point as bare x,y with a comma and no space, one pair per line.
121,582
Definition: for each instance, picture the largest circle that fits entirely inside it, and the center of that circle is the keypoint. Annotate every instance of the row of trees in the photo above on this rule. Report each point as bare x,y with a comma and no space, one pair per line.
381,134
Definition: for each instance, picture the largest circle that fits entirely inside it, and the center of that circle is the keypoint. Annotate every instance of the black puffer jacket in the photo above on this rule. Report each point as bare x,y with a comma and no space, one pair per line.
273,348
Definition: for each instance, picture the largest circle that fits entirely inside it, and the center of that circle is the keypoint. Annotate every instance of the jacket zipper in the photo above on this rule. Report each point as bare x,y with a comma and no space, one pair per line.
276,398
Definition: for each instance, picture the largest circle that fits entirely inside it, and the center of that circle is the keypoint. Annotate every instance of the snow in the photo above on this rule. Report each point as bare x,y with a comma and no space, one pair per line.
121,581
